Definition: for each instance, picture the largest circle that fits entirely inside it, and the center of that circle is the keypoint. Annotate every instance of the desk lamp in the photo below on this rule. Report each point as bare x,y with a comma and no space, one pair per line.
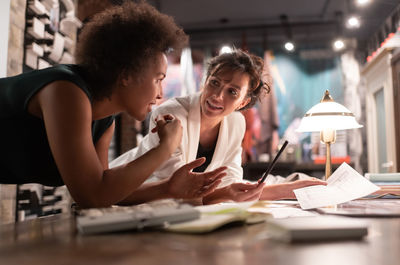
326,117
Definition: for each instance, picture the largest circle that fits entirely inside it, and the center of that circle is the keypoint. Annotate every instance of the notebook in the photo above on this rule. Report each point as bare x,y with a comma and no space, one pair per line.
218,215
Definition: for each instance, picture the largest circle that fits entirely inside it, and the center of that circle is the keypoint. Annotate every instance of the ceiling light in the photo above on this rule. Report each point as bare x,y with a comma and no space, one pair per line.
362,2
353,22
338,45
225,49
289,46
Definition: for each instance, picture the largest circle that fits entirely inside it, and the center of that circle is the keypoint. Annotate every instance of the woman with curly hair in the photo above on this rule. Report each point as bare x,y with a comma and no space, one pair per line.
57,123
213,128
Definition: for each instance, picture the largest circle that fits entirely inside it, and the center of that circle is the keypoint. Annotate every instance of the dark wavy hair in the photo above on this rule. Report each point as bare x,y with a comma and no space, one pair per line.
244,62
124,38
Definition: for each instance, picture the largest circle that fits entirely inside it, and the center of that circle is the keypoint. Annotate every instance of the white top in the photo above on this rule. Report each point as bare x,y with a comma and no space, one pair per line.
228,149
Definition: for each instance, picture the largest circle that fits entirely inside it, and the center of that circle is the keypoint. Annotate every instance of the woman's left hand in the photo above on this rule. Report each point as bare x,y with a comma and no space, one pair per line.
241,192
238,192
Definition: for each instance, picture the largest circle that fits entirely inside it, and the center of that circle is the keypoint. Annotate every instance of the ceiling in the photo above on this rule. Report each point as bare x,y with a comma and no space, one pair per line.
310,23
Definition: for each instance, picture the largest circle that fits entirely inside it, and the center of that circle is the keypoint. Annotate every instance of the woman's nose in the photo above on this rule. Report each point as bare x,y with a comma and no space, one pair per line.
160,93
219,93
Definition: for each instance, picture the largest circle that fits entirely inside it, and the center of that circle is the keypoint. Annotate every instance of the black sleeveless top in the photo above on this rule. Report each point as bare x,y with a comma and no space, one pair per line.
208,153
25,155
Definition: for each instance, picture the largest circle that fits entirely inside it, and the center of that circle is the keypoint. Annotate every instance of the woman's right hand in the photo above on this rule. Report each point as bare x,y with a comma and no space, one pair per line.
169,131
238,192
185,184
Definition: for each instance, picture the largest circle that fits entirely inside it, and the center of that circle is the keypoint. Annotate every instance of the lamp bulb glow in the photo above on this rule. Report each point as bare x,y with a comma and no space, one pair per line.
289,46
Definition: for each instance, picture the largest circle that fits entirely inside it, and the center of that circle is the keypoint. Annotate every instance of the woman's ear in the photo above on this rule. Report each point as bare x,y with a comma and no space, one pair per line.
245,101
124,79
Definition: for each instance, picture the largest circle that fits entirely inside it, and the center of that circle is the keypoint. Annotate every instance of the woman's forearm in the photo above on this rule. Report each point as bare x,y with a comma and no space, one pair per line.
285,190
119,182
277,192
148,192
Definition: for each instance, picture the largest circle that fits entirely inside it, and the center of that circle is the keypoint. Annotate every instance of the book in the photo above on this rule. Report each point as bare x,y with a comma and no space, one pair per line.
316,228
389,184
334,159
386,192
383,177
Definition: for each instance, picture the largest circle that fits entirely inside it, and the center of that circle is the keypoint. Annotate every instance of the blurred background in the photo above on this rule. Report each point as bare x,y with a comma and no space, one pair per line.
350,47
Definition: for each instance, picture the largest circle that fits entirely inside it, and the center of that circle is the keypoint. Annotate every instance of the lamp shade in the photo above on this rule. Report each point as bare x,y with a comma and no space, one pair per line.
328,115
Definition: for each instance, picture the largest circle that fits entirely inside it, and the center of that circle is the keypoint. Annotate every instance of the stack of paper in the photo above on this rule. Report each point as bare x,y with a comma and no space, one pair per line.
388,182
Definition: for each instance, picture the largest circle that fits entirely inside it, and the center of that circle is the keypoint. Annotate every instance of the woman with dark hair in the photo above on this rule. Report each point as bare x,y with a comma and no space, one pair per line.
214,128
57,123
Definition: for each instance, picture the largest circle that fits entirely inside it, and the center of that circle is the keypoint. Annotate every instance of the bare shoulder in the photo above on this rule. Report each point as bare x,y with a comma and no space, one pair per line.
57,94
63,94
62,90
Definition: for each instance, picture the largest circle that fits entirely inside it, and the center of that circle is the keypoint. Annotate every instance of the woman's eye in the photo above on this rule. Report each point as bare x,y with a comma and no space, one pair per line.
233,92
214,82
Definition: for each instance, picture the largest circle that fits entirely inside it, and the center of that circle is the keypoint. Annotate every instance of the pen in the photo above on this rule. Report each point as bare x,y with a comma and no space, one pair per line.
264,176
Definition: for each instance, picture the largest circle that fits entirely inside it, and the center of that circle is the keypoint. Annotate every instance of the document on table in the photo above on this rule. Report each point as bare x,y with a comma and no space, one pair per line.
345,184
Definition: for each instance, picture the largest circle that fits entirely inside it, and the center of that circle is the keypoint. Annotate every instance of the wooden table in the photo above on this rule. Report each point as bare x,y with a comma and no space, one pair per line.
53,240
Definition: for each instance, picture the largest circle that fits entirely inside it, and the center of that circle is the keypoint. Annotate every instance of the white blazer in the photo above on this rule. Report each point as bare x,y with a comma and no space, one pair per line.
228,150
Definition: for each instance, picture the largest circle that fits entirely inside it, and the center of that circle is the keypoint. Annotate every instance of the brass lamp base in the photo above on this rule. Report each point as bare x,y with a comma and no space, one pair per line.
328,136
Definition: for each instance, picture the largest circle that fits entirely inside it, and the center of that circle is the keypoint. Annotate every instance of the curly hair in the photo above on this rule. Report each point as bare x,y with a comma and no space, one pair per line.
244,62
124,38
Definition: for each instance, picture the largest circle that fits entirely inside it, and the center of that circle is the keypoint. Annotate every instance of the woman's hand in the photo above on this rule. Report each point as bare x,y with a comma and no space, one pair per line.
185,184
238,192
169,131
241,192
285,190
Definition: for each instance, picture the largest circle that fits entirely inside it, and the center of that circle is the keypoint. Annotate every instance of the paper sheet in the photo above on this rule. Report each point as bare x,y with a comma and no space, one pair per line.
345,184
